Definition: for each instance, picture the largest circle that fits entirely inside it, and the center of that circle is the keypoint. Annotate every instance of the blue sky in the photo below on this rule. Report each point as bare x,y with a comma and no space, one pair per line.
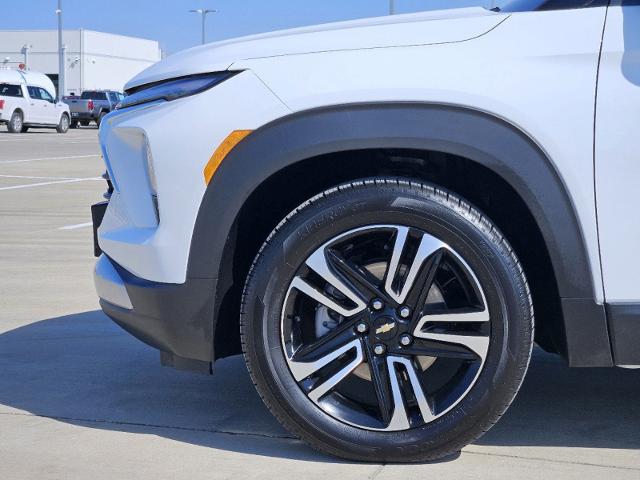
170,22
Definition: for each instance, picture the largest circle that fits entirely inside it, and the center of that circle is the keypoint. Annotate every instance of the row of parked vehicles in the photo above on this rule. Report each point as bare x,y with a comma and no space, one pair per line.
28,99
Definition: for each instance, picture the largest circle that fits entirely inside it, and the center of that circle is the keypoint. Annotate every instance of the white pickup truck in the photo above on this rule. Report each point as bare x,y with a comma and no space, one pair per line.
28,99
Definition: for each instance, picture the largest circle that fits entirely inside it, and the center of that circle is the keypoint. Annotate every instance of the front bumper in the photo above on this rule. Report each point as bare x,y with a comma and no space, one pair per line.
175,319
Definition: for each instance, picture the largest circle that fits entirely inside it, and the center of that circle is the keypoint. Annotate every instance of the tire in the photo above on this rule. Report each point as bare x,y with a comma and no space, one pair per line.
463,266
15,123
74,124
84,123
100,117
25,129
63,125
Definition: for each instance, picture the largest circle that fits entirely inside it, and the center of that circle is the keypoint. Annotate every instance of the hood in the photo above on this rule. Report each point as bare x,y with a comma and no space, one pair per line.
424,28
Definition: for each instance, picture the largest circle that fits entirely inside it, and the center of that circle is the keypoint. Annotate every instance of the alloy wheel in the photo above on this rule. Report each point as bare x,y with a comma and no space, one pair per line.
17,122
385,328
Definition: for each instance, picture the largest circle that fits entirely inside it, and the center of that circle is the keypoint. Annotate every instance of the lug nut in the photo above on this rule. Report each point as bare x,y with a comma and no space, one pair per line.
379,349
362,328
405,340
405,312
377,304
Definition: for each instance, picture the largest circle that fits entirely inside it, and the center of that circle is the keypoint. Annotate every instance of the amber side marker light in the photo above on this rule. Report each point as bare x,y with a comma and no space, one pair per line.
222,151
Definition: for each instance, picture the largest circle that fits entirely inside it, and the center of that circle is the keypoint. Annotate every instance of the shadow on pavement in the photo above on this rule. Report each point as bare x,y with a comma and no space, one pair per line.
83,369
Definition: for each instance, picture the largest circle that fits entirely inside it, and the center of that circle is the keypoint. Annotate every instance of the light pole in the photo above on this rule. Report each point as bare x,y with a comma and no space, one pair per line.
203,12
61,49
392,7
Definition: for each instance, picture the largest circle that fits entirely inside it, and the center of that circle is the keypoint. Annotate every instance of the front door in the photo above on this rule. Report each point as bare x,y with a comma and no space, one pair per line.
50,109
617,153
36,111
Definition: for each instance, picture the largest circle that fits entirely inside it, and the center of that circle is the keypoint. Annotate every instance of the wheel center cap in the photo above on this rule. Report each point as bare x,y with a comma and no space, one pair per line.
385,328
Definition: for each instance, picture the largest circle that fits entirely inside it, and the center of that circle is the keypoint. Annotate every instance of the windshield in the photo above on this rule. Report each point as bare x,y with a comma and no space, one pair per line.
93,96
8,90
532,5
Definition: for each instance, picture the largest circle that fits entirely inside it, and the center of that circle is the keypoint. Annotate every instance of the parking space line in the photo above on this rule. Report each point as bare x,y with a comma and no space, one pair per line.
48,158
42,184
38,178
74,227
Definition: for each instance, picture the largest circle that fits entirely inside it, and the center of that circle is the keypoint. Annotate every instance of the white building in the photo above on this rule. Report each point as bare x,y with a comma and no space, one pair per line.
94,60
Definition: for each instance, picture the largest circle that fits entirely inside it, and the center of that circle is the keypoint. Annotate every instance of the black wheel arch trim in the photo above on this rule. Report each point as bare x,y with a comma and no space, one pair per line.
479,136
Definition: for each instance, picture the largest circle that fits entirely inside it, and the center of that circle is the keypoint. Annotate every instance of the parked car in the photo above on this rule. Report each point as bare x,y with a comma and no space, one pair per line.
92,106
28,99
374,211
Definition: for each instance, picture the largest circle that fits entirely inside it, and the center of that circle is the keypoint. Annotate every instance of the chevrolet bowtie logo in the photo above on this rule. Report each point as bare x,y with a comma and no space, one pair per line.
387,327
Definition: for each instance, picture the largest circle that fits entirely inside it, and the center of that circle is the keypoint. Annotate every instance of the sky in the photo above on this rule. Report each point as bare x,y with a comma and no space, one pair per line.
170,22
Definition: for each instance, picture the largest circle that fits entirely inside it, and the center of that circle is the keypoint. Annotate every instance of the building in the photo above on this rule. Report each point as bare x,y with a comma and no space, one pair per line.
94,60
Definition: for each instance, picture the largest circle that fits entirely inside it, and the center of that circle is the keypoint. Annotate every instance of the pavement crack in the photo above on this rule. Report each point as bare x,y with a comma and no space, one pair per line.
377,472
551,460
152,425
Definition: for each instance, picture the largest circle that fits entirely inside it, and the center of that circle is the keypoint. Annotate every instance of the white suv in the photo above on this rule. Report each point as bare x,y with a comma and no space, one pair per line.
28,99
373,212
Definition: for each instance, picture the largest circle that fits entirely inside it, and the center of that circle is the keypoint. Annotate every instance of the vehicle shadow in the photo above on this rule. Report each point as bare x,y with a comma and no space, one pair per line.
82,369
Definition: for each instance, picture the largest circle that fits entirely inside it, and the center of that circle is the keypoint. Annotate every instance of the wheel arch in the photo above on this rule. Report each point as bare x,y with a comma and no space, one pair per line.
362,134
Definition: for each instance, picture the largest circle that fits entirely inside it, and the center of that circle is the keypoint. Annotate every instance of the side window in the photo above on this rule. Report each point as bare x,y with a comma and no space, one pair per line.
8,90
34,93
569,4
45,95
113,97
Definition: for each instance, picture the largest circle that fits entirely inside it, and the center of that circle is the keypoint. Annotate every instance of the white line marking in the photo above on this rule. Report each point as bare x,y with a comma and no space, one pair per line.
38,178
48,158
74,227
42,184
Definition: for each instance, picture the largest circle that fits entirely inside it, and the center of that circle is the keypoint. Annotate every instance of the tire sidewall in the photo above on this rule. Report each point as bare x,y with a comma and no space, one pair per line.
375,205
63,127
11,125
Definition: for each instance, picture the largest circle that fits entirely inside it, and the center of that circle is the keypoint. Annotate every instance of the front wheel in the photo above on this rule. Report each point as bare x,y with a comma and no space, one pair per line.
387,320
63,125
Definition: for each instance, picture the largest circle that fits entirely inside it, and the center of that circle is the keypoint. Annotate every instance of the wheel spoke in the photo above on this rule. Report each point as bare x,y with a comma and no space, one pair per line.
453,317
434,348
302,369
333,341
318,263
479,345
400,418
475,343
381,383
428,246
301,285
417,296
358,279
317,393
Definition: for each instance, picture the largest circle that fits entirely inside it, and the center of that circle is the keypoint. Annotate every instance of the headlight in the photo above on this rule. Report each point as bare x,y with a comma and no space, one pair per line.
174,88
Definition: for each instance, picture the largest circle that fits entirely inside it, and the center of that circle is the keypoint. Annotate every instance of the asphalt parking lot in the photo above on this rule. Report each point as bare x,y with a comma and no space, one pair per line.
79,398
